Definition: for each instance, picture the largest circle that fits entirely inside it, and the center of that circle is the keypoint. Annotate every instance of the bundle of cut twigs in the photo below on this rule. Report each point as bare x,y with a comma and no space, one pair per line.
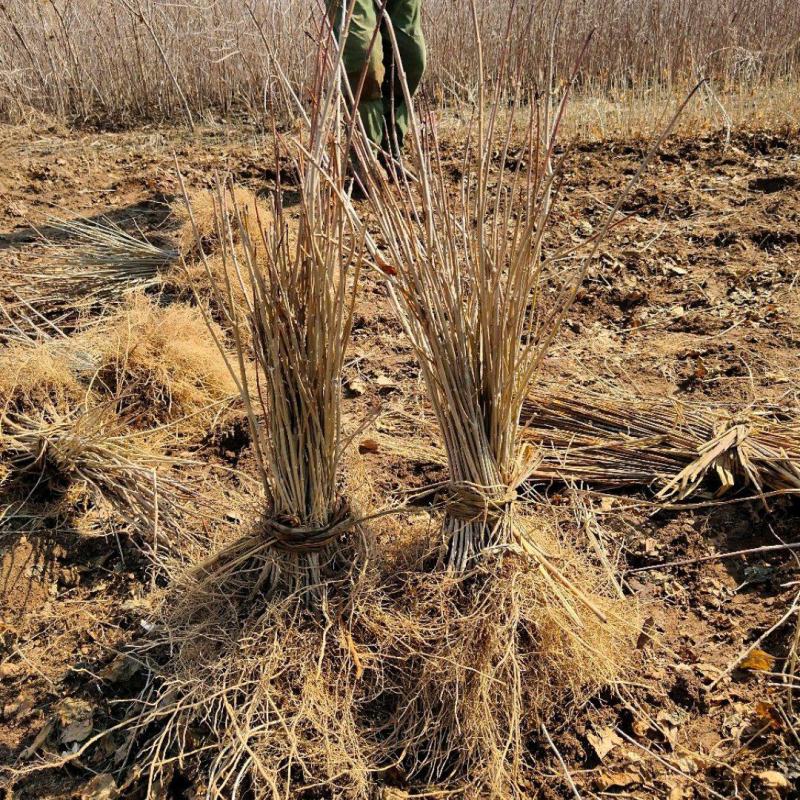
611,441
264,621
467,269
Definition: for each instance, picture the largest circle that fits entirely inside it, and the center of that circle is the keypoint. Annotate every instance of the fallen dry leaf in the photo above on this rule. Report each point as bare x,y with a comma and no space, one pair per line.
617,780
77,720
680,792
41,738
8,670
757,661
77,731
669,726
356,387
121,669
770,714
100,787
384,383
773,779
385,266
646,634
604,741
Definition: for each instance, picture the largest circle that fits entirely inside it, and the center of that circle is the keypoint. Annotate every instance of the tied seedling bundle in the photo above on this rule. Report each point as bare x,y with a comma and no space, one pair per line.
615,440
71,458
299,307
514,627
81,264
257,681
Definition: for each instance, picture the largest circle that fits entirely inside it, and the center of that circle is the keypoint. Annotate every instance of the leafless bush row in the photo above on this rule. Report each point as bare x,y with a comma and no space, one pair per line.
123,61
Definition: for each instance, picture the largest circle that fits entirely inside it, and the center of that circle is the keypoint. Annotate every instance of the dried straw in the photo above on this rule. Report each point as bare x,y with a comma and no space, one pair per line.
156,365
198,227
40,372
160,366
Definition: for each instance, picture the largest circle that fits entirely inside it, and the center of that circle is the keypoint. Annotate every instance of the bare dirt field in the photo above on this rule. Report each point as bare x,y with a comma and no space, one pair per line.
696,297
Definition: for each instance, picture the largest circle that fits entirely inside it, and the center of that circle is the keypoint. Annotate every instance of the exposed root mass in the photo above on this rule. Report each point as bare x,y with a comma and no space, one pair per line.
36,375
443,679
491,655
269,701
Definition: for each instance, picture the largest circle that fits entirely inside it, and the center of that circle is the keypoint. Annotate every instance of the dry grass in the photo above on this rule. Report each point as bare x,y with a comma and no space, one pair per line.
161,366
66,450
208,274
156,365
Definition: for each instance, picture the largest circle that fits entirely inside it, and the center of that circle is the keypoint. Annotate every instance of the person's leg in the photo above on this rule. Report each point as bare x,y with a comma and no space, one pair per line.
356,54
406,19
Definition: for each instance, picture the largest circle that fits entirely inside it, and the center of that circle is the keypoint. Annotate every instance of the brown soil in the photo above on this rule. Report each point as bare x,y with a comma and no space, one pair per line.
698,295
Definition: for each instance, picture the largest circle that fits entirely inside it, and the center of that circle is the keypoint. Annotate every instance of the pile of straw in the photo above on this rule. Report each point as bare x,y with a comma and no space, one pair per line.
200,229
37,373
156,365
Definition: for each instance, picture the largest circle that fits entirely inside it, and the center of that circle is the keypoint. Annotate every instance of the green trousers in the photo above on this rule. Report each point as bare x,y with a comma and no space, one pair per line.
382,105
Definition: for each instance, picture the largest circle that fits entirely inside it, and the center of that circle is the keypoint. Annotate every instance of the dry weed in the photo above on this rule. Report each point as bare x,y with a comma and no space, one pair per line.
162,366
199,231
37,374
